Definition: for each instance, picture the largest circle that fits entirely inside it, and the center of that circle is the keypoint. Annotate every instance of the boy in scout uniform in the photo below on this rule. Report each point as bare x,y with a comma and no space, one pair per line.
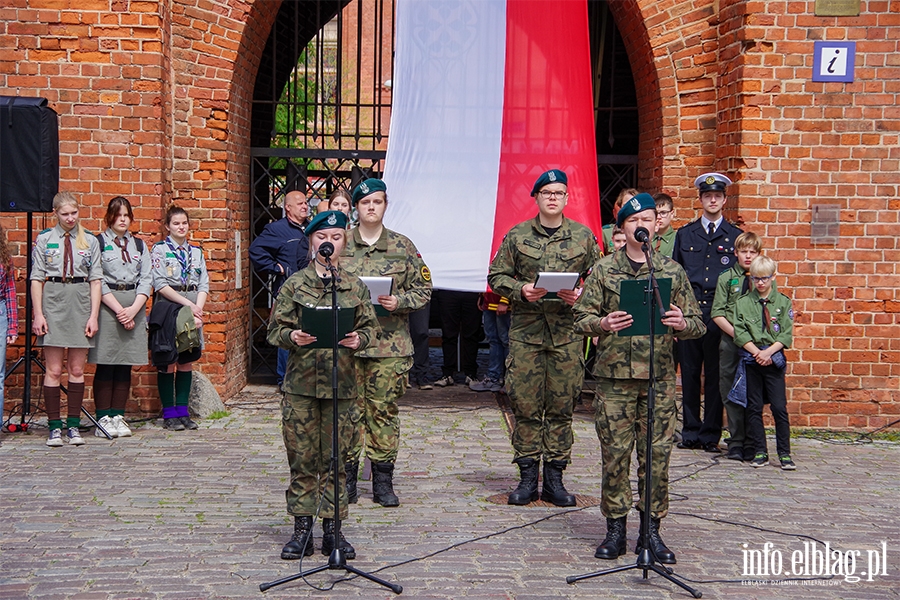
705,248
545,364
664,240
373,250
763,326
622,373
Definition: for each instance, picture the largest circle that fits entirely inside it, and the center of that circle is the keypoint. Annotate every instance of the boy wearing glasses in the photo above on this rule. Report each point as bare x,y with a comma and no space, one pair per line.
763,326
664,239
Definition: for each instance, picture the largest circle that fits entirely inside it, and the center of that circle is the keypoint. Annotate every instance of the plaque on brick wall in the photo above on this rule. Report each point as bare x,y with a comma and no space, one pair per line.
833,61
825,225
837,8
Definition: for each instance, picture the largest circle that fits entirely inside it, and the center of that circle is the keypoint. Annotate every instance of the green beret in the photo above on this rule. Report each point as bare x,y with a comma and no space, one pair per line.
330,219
551,176
712,182
639,203
366,187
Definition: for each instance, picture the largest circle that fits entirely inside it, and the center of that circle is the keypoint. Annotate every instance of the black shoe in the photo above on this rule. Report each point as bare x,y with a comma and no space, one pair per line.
298,548
352,469
712,447
657,546
383,484
188,424
526,491
613,545
736,453
553,490
689,444
174,424
749,454
328,540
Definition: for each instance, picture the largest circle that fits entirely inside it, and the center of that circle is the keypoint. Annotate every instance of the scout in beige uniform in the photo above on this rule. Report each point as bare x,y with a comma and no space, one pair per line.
65,293
179,276
122,339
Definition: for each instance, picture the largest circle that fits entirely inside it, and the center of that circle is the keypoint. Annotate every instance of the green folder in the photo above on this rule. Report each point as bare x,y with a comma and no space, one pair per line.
633,299
318,322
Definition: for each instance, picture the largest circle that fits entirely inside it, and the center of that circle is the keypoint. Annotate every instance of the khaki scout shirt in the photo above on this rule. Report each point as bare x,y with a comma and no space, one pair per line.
729,288
309,369
621,357
527,250
747,318
395,256
167,269
116,271
47,255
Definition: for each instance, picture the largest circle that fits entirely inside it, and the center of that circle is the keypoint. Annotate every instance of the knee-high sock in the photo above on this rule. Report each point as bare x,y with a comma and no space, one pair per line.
120,390
183,391
51,404
165,383
75,396
103,389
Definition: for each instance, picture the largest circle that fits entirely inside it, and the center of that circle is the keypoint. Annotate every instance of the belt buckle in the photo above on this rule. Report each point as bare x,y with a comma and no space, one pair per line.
120,287
67,279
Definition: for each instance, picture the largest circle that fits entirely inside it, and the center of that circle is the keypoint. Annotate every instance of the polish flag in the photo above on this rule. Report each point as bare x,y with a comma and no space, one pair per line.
488,94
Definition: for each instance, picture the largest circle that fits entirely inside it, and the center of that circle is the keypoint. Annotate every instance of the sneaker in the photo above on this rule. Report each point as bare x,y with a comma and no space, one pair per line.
445,381
55,439
487,384
470,380
173,423
121,426
75,438
188,424
107,424
760,460
425,385
786,463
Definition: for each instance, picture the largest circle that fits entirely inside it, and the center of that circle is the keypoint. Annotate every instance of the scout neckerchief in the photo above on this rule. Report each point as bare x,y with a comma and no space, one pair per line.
767,319
124,248
68,260
184,259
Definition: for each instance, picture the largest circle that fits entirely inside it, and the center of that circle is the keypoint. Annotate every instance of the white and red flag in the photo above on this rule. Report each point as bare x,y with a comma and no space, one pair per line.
488,94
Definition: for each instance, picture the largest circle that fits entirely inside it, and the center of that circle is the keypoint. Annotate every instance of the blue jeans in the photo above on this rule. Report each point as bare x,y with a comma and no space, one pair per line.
496,330
281,364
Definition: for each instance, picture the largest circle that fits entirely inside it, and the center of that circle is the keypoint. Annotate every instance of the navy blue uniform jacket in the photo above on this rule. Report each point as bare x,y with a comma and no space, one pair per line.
280,243
704,258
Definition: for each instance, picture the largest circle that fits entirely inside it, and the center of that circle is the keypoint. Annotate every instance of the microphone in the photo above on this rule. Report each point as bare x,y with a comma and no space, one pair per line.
640,234
326,249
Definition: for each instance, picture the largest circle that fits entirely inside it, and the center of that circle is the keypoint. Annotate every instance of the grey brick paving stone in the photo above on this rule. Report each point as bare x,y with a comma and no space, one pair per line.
201,514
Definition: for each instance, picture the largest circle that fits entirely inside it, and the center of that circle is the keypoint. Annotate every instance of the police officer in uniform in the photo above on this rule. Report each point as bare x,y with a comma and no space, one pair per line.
622,374
545,366
373,250
705,248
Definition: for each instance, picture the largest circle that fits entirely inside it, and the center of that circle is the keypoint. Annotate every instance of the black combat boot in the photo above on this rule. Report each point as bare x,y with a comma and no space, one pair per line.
553,489
657,546
613,545
328,540
383,484
301,543
526,491
352,469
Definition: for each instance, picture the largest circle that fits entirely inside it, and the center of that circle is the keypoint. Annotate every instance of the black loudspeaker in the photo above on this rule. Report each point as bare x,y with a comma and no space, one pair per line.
29,154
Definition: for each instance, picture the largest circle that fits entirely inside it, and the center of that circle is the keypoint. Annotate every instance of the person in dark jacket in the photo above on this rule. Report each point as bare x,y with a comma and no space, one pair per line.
281,250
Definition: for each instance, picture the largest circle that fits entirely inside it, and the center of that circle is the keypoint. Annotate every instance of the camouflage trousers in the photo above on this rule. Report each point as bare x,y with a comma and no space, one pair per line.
543,382
380,382
306,424
620,409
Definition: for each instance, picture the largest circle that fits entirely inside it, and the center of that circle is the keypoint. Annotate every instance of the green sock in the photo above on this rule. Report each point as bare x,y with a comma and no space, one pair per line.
116,413
73,422
165,383
103,413
54,424
183,387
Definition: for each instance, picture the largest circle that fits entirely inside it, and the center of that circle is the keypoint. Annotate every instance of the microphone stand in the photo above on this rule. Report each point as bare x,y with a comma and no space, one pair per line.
646,559
338,558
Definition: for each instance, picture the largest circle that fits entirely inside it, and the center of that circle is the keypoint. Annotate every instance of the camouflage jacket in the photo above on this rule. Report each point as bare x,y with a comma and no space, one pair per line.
395,256
527,250
620,357
309,369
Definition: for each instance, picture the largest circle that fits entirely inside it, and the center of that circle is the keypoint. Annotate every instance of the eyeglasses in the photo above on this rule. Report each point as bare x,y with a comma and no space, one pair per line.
664,213
546,194
761,279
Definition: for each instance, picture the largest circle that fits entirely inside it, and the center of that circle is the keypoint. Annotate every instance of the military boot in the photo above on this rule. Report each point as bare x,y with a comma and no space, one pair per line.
352,469
528,478
613,545
383,484
655,543
553,489
328,540
301,543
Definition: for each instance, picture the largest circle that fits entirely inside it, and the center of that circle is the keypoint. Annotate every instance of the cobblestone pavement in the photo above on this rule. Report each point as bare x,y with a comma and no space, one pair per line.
201,515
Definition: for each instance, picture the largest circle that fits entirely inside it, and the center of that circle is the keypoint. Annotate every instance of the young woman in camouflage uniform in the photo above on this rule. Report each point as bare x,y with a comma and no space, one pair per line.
375,251
307,404
65,293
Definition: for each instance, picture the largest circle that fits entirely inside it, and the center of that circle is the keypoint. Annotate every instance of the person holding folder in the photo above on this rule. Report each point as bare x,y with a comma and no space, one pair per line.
303,305
622,373
545,363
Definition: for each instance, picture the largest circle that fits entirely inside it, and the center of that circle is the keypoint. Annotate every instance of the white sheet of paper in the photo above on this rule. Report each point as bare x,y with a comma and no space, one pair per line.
378,286
554,282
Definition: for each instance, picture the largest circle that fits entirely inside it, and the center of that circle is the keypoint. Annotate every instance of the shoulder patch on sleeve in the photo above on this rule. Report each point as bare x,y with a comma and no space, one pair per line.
426,273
